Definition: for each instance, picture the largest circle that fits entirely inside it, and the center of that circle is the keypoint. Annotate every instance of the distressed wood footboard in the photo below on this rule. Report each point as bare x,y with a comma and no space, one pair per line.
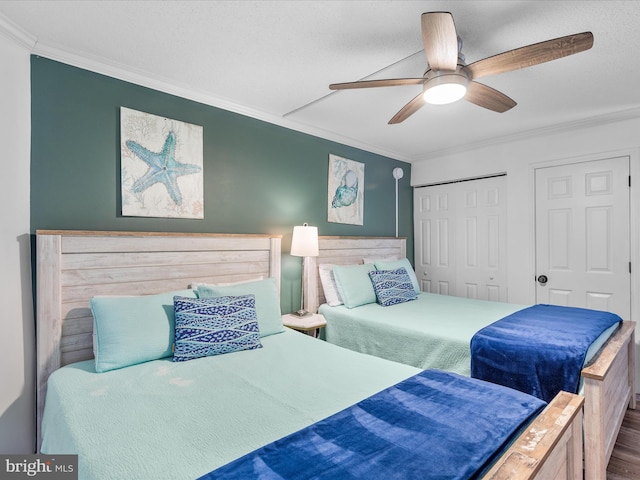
550,448
609,388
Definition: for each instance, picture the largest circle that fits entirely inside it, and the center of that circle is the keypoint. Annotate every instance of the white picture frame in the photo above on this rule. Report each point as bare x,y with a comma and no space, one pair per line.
161,166
345,191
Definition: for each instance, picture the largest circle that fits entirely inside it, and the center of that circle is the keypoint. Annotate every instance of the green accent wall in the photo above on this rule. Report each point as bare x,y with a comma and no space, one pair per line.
258,177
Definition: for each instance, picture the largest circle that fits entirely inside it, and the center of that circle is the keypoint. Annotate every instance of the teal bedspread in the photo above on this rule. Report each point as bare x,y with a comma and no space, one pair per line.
180,420
432,331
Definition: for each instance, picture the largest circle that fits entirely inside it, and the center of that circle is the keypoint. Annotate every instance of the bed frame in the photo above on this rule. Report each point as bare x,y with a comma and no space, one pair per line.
72,266
608,381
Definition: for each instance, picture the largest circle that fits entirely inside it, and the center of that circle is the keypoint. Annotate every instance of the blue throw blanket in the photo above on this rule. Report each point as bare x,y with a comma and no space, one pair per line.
539,350
432,425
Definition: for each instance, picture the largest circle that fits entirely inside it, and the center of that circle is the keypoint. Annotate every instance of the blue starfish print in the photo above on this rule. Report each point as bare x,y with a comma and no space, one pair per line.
163,168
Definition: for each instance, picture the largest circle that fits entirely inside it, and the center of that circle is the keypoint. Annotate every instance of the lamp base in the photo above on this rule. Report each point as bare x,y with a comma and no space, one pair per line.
302,313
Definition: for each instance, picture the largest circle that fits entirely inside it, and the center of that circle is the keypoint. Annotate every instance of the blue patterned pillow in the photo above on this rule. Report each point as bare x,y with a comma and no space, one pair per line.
213,326
392,286
396,264
267,301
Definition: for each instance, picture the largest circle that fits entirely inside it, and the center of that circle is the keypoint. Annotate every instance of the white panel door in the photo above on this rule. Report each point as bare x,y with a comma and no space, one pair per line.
434,223
481,268
460,238
582,235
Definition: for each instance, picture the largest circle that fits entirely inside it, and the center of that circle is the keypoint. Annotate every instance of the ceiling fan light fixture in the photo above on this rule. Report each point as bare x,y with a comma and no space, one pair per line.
446,88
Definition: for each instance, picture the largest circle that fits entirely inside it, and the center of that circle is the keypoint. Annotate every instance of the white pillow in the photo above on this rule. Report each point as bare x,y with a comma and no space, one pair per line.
329,287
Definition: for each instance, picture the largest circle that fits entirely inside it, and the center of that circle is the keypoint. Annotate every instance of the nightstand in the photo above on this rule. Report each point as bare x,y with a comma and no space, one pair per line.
310,325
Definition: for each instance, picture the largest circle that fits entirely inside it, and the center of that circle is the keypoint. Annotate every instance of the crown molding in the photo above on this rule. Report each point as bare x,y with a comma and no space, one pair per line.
145,79
16,34
595,121
139,77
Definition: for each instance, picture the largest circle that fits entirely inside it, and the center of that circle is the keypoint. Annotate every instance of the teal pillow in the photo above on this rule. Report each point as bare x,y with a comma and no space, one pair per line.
267,301
354,284
132,330
392,286
396,264
214,326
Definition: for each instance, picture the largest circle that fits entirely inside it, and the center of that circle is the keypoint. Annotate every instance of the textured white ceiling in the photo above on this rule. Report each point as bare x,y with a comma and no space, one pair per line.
275,59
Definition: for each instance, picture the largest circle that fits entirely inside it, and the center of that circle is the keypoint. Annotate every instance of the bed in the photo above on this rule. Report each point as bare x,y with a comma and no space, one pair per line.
607,382
111,420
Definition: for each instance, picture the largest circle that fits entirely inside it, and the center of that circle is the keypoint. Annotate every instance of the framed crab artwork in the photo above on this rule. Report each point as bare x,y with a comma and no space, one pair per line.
161,166
345,194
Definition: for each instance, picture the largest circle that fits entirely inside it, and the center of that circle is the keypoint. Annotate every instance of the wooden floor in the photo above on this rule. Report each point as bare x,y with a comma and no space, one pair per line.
625,459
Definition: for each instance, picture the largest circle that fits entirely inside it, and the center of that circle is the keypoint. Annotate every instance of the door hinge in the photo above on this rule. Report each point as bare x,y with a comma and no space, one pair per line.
629,180
629,267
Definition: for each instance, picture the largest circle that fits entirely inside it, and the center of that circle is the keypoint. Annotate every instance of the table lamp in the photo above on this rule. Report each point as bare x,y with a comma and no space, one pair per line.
304,243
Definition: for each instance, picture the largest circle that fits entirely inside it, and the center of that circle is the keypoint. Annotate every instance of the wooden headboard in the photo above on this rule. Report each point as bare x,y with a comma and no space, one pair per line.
73,266
346,251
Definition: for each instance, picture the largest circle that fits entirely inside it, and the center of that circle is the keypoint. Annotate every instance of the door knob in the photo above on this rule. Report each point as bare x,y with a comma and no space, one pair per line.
542,279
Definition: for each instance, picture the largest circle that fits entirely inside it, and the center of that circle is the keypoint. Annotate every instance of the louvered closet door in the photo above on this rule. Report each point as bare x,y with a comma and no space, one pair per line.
582,235
460,238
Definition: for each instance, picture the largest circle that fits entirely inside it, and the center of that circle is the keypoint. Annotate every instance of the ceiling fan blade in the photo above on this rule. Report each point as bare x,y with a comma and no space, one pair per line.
377,83
531,55
409,109
440,40
487,97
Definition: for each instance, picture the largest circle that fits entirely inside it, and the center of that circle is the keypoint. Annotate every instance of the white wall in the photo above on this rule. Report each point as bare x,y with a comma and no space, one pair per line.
601,138
16,321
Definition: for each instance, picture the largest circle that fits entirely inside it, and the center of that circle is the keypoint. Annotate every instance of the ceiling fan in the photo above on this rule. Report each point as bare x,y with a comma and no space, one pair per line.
448,78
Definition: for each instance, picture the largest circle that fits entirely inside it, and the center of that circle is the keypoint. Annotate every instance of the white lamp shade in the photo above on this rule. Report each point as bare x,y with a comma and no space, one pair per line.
304,242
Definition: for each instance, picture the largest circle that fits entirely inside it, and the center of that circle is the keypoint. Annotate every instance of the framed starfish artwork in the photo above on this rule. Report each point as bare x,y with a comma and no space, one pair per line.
161,166
345,195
